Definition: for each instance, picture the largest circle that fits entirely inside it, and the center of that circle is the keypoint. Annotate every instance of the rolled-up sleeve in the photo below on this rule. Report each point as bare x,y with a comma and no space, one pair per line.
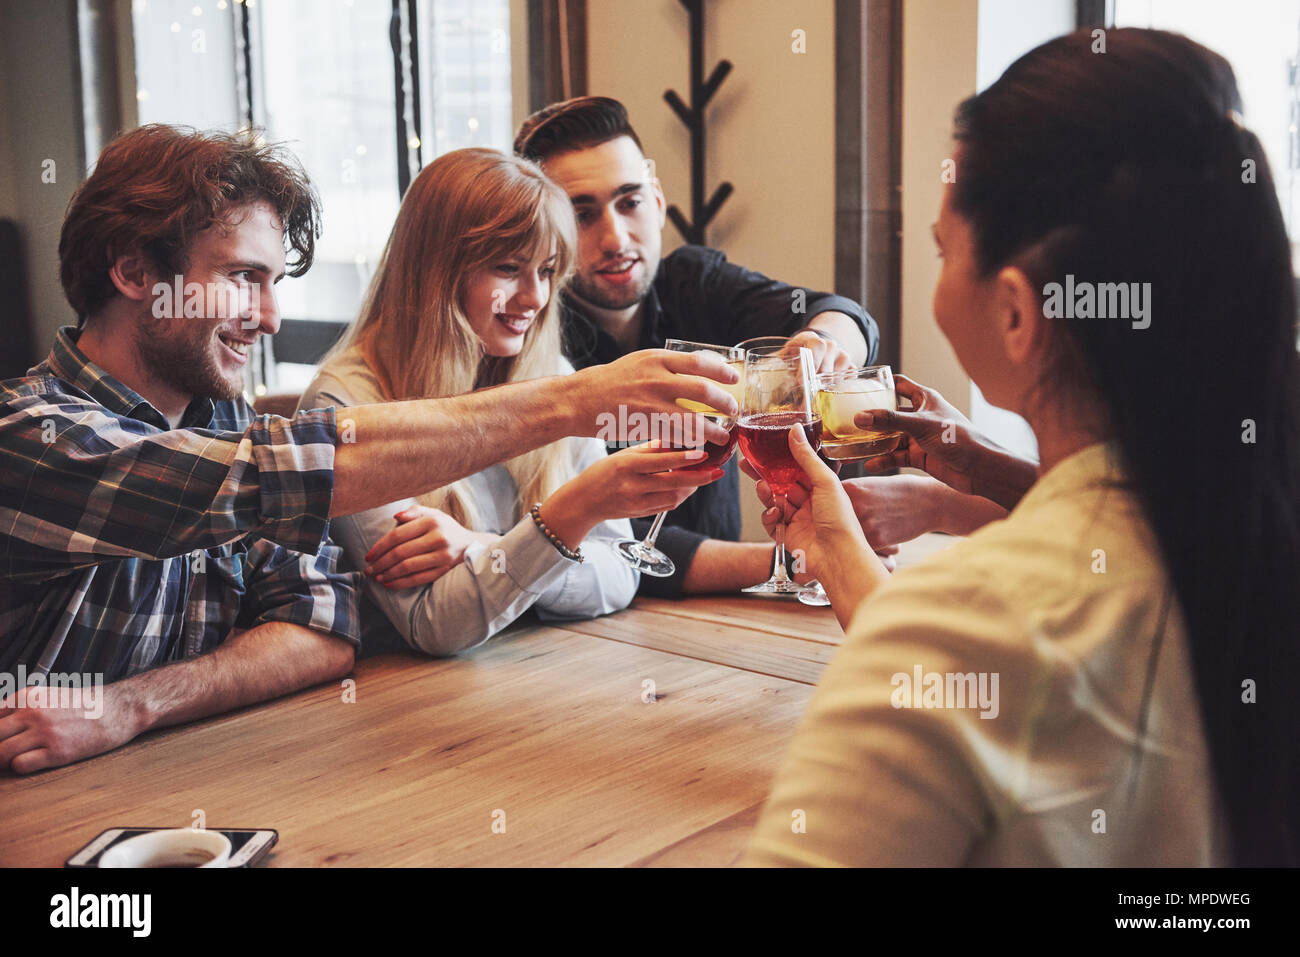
82,485
300,589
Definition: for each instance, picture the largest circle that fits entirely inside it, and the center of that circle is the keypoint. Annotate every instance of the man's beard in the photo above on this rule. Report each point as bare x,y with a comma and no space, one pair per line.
609,299
185,363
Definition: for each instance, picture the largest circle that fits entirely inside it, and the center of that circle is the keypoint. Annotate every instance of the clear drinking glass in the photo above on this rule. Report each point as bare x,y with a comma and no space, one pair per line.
642,555
841,396
813,593
780,392
777,343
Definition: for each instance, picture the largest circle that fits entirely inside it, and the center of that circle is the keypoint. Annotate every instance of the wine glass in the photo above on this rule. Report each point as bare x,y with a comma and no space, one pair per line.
642,555
814,594
780,392
770,343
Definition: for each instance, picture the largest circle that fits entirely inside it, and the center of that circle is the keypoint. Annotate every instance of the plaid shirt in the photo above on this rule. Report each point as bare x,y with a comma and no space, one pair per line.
126,544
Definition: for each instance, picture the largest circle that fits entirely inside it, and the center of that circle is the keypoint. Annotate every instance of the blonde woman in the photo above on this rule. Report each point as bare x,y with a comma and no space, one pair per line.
461,301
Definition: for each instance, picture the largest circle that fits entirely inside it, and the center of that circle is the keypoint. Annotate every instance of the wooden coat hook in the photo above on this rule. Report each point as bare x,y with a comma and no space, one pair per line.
701,93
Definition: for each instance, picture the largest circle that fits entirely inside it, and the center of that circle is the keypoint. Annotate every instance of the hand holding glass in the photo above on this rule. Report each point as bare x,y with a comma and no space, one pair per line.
642,555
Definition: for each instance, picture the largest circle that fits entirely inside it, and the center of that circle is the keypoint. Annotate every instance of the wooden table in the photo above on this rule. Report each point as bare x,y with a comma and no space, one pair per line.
547,746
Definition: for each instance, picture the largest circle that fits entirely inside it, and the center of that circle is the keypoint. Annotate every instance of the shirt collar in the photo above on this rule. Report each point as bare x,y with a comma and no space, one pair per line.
588,339
1093,465
68,362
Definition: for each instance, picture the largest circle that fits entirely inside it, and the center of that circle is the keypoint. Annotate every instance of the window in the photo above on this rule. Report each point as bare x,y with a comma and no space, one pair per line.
1008,29
321,76
1261,40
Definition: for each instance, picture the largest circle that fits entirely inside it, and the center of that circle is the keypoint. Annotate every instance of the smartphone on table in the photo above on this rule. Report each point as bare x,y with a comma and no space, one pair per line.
248,846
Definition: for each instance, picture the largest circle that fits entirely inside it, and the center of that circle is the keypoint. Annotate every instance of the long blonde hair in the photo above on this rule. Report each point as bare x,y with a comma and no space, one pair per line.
468,209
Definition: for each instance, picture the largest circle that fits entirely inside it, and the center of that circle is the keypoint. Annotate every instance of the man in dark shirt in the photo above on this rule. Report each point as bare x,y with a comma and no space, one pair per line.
164,554
624,297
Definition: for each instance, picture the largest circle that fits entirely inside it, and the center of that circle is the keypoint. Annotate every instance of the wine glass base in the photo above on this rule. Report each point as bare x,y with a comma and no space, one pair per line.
815,595
774,587
648,561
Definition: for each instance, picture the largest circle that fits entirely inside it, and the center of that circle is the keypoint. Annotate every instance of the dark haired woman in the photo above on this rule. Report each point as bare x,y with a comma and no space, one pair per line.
1106,676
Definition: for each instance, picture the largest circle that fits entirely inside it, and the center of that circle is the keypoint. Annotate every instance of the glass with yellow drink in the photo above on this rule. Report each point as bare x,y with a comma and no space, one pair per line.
643,555
840,397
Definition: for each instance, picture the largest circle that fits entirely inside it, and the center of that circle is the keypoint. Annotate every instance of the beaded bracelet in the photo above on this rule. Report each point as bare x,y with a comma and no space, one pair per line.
551,537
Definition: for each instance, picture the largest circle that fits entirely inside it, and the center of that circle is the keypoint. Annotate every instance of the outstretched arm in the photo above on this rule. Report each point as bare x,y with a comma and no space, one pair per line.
151,494
402,449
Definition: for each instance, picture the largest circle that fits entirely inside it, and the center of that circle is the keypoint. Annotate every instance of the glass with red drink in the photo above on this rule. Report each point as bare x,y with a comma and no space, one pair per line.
780,393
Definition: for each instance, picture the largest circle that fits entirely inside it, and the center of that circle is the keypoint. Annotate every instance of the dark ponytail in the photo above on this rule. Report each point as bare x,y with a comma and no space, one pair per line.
1131,166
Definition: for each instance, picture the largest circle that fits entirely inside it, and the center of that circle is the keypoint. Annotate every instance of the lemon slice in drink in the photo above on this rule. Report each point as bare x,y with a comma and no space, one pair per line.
839,407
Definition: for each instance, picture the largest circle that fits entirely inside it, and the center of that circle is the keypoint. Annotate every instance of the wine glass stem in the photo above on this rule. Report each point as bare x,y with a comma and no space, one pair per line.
778,567
649,540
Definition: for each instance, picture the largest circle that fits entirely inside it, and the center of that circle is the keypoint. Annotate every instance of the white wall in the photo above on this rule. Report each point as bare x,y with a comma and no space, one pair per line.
939,69
1008,29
